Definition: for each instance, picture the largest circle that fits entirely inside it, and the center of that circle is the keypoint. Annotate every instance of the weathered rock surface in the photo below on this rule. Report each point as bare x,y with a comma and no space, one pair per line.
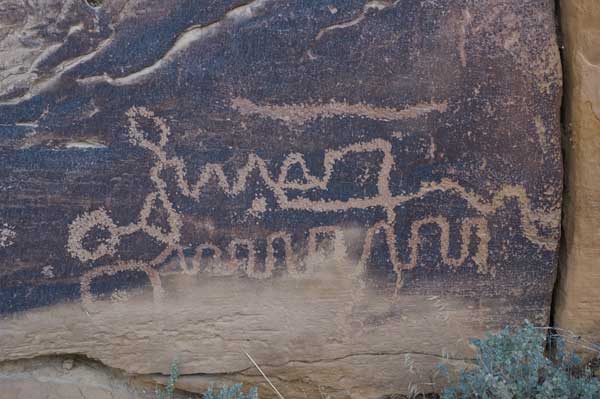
56,378
578,297
346,190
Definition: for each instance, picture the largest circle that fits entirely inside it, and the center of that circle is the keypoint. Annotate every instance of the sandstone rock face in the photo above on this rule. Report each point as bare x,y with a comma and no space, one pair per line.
56,378
346,190
578,298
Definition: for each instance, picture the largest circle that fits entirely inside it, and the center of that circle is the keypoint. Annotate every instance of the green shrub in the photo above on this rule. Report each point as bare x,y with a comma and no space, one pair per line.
230,392
167,392
512,365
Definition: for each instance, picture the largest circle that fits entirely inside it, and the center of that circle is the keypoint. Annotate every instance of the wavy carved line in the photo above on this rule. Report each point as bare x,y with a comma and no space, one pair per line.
111,270
232,265
415,240
278,186
99,218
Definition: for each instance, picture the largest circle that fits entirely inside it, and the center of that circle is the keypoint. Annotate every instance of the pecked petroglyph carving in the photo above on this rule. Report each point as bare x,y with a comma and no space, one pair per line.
468,224
48,271
378,5
289,255
369,5
299,114
240,255
318,235
7,235
111,270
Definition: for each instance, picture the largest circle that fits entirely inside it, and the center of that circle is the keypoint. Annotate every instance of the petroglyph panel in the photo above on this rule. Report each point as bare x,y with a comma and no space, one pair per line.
334,184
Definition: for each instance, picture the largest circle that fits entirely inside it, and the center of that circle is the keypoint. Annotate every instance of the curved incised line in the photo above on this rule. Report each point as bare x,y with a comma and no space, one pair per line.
213,173
279,185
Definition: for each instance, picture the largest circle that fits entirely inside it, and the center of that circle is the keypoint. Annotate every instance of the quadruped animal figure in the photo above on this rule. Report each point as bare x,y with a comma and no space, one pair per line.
225,263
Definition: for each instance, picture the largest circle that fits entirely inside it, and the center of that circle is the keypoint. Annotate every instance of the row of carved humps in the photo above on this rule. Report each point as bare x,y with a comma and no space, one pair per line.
240,257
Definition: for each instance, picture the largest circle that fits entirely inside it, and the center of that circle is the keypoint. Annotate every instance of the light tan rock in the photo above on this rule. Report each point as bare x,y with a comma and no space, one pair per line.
578,296
317,334
46,378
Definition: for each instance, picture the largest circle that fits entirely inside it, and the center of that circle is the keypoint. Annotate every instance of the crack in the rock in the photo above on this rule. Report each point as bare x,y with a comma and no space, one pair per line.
87,358
315,361
350,355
